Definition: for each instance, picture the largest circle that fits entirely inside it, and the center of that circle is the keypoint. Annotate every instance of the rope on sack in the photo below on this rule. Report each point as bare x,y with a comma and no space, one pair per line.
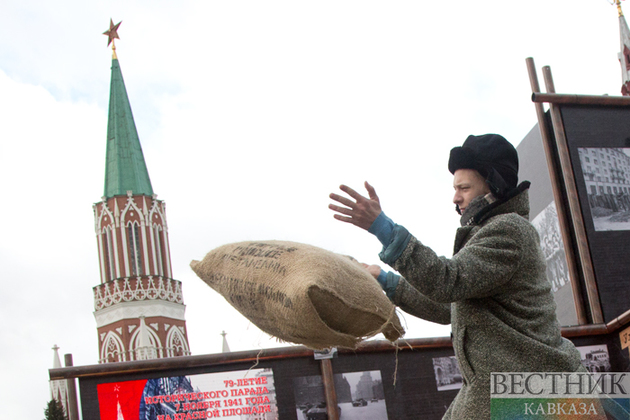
257,361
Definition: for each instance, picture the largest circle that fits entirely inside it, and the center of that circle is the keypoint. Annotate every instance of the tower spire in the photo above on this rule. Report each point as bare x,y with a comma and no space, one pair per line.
56,360
225,347
125,168
59,387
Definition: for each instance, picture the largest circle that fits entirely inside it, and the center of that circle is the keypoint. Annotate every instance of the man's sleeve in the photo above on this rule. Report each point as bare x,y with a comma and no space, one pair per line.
397,289
393,237
487,261
410,300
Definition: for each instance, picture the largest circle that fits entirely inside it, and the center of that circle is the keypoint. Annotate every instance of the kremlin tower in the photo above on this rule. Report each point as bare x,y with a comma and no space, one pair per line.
138,306
59,388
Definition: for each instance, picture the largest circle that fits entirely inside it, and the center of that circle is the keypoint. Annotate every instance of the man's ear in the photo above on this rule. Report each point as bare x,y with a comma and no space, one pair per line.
496,183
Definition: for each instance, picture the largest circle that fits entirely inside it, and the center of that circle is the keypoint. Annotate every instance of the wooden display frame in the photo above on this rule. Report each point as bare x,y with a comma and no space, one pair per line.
568,196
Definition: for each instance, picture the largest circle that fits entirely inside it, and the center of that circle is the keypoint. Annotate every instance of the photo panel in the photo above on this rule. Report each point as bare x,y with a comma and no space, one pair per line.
598,139
447,373
360,395
544,216
595,358
546,223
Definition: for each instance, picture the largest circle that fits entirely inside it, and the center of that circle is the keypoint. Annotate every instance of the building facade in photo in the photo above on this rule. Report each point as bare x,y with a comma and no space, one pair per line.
607,176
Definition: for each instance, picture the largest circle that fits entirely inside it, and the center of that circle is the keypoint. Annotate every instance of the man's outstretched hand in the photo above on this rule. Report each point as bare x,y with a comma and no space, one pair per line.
361,212
373,269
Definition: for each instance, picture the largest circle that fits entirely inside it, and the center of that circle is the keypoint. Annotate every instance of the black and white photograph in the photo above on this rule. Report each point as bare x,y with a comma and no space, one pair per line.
360,396
595,358
447,373
548,227
552,246
607,177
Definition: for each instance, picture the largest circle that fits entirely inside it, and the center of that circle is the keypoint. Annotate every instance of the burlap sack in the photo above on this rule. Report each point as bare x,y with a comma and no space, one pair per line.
300,293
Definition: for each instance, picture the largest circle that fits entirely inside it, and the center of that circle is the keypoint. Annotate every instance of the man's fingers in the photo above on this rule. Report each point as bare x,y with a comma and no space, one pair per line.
343,200
371,191
342,210
352,193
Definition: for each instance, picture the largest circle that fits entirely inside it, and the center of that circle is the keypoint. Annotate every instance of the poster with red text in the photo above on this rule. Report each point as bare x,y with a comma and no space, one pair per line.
244,395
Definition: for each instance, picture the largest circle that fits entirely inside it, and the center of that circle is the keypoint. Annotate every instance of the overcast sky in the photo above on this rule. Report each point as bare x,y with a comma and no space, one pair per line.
250,112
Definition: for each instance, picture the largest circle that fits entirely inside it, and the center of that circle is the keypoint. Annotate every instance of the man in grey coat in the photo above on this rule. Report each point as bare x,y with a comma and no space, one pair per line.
494,290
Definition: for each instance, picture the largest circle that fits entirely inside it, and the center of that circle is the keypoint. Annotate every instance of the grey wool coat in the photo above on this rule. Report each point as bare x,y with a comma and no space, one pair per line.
494,291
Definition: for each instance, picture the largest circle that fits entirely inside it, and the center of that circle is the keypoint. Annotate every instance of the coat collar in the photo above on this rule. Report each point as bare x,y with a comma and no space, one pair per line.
480,209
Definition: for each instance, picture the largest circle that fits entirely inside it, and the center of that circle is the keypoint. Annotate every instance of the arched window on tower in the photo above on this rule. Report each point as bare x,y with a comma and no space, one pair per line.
113,349
108,254
135,255
176,343
159,248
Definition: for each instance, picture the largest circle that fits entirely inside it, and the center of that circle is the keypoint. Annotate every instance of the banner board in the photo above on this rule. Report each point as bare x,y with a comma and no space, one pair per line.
243,395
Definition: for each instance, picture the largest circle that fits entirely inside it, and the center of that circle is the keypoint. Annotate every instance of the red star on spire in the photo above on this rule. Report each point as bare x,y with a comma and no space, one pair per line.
112,33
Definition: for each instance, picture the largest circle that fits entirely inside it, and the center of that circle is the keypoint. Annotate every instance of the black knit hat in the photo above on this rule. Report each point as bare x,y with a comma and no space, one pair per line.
493,157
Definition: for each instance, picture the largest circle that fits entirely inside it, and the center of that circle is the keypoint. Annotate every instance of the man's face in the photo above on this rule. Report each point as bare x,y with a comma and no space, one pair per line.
468,184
